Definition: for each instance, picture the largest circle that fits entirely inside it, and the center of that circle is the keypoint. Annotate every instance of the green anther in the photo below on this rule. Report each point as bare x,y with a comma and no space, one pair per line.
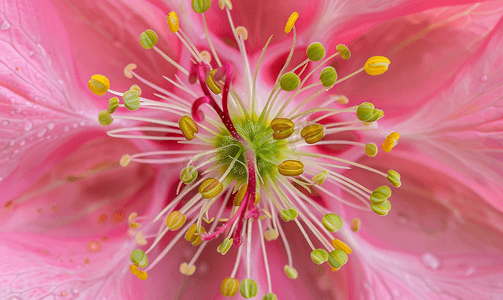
104,118
248,288
381,209
270,296
394,178
337,258
380,194
139,258
289,82
289,214
320,178
225,246
319,256
200,6
113,103
371,149
315,51
332,222
131,100
148,39
188,174
365,111
328,76
291,272
343,51
376,115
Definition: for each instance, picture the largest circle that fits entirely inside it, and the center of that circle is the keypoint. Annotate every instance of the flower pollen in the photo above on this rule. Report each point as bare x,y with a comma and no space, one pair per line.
240,151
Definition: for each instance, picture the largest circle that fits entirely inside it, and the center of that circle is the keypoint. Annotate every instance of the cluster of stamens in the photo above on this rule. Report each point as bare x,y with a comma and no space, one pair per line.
251,157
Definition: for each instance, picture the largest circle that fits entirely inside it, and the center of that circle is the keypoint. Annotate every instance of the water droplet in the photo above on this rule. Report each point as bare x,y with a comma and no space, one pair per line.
31,53
5,25
75,125
1,178
5,123
470,271
12,142
50,126
75,291
93,246
22,143
82,123
12,100
12,112
28,125
29,104
41,132
431,261
483,78
67,128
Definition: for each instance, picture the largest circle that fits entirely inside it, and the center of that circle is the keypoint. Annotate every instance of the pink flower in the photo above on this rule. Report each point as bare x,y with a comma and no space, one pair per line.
78,199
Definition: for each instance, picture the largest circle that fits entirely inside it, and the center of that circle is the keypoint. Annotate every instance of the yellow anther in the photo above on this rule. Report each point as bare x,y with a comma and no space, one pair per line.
283,128
206,56
241,31
390,141
140,274
335,269
104,118
128,69
271,234
342,100
229,287
125,160
291,22
193,236
136,88
241,194
98,84
224,3
312,133
320,178
338,244
140,239
377,65
113,104
175,220
188,127
212,84
131,222
291,168
210,188
343,51
185,269
173,22
356,225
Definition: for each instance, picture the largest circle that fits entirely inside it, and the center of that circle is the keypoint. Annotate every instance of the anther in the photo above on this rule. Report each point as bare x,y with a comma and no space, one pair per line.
188,174
140,274
206,56
381,209
248,288
328,76
210,188
229,287
371,149
315,51
98,84
289,81
320,178
394,178
289,214
113,104
128,69
241,31
367,112
104,118
187,270
212,84
377,65
173,22
224,3
319,256
224,247
241,194
380,194
131,222
390,141
271,234
291,272
193,236
356,225
332,222
342,100
337,258
291,168
131,100
148,39
270,296
140,239
312,133
139,258
291,22
338,244
343,51
125,160
136,88
200,6
188,127
282,128
175,220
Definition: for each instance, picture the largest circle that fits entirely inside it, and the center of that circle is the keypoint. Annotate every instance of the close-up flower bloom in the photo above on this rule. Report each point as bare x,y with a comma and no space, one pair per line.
197,149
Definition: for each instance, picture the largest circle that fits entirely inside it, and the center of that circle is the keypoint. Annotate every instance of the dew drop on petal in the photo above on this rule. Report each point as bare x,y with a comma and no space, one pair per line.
67,128
483,78
93,246
431,261
28,125
22,143
41,132
50,126
5,25
5,123
12,100
470,271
